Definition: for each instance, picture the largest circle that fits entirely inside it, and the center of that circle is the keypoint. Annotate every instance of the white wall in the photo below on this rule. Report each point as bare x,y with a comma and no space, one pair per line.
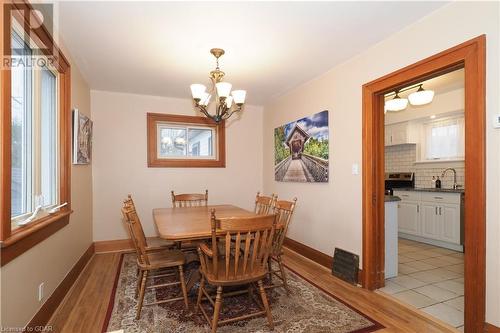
329,215
120,161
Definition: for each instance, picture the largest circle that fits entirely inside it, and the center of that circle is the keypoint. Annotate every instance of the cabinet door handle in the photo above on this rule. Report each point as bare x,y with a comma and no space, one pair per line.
418,209
438,197
439,210
436,210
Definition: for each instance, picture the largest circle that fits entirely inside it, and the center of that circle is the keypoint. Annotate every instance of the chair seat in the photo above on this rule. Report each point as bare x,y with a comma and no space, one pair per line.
156,243
164,259
232,279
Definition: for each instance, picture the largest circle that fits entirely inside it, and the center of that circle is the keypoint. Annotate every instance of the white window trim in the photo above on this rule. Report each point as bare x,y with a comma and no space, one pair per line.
35,177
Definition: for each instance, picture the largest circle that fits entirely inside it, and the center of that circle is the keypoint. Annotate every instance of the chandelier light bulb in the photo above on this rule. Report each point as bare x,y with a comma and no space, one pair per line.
239,96
197,90
421,96
396,104
223,89
229,102
205,99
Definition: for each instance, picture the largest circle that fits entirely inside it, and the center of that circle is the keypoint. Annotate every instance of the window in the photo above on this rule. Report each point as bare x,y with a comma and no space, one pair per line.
36,139
444,139
184,141
34,131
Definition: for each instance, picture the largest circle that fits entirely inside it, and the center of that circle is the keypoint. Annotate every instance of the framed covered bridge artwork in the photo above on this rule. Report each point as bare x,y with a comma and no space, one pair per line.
301,150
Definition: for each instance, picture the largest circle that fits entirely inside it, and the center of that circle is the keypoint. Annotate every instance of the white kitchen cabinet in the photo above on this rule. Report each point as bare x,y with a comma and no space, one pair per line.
408,217
399,133
450,222
430,221
431,217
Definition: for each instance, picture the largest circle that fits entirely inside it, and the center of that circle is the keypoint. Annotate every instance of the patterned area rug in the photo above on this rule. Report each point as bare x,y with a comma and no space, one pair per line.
307,309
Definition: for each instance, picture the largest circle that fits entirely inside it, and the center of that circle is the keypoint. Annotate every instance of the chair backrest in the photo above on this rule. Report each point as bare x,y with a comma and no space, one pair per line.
189,200
284,210
264,204
130,203
135,231
245,243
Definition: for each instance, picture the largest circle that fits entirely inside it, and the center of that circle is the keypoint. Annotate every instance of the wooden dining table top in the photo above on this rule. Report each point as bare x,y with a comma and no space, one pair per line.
190,223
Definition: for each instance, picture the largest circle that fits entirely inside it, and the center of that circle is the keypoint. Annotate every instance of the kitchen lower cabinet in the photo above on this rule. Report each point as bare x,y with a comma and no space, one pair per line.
430,217
408,218
430,221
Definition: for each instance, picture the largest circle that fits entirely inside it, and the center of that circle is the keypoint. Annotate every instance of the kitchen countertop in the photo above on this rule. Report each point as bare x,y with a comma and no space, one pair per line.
391,198
421,189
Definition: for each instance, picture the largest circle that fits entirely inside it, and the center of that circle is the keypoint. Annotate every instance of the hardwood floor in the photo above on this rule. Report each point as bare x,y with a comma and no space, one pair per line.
84,308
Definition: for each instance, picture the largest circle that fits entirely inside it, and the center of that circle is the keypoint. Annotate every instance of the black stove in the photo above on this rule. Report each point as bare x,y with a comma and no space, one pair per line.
398,180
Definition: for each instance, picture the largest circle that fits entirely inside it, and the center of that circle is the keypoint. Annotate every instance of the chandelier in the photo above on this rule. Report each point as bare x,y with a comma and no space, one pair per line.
227,102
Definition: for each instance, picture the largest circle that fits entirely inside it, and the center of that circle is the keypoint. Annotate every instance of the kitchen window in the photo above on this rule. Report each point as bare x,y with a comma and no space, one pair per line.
444,139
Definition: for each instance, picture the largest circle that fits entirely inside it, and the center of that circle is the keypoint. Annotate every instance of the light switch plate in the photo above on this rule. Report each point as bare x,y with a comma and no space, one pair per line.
496,121
355,169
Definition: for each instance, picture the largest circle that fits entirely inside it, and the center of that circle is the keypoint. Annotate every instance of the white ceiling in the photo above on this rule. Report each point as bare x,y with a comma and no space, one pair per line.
160,48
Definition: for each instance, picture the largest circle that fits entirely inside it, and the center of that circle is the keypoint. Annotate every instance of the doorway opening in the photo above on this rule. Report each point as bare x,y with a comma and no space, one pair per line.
469,56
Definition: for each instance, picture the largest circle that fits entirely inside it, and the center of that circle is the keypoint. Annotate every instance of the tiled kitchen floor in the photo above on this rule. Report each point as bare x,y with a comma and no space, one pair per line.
430,278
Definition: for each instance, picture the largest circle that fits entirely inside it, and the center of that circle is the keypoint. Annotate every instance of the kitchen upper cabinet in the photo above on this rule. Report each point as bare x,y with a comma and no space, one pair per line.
400,133
408,218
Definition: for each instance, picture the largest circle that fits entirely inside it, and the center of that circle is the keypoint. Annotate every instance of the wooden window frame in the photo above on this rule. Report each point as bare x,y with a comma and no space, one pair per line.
470,55
154,162
15,242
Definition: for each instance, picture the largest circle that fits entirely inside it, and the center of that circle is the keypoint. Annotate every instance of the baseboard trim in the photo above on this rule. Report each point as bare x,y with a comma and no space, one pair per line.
117,245
317,256
310,253
490,328
48,308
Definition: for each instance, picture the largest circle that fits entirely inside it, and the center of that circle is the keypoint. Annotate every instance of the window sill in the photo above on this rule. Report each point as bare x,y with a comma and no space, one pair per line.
24,238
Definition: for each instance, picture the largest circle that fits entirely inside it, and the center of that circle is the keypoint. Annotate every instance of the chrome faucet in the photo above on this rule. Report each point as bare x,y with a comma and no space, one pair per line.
455,185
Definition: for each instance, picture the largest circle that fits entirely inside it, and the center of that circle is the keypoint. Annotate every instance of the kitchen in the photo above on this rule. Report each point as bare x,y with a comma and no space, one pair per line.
424,166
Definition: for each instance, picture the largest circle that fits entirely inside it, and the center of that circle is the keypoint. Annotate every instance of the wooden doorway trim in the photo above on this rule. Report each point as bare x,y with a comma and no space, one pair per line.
470,55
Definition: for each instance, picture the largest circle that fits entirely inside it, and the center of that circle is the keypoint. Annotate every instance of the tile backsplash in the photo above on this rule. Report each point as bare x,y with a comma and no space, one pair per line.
401,158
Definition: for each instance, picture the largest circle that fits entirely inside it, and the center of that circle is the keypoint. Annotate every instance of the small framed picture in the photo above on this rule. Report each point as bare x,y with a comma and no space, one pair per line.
82,138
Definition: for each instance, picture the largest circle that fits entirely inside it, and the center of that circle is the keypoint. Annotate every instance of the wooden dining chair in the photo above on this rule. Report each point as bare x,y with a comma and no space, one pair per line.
264,204
232,263
189,199
152,244
284,210
148,261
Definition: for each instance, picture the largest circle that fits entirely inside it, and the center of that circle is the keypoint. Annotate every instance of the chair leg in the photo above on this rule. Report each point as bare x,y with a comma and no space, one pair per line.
200,293
183,286
283,274
269,269
139,281
218,302
141,294
266,304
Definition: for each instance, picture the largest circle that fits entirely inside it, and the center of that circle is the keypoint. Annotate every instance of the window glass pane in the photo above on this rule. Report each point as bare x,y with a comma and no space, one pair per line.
445,140
48,132
21,80
172,142
200,142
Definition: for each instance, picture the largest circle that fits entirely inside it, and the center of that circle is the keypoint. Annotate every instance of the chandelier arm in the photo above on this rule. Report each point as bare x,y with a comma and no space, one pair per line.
204,111
234,111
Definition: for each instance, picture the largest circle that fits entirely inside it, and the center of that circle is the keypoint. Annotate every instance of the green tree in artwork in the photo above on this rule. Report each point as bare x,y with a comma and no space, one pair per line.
318,148
280,150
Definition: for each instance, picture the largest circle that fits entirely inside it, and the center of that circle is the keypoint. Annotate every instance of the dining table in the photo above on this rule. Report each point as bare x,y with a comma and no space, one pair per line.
184,224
